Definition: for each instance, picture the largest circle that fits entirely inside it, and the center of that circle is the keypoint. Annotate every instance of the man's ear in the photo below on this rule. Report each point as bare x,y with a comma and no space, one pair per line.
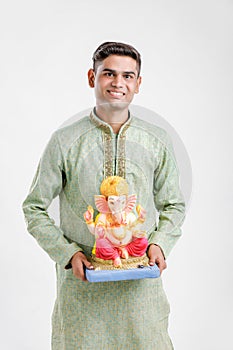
139,80
91,78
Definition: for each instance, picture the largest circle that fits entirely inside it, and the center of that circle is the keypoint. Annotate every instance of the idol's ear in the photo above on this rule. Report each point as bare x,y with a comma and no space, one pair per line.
101,204
130,203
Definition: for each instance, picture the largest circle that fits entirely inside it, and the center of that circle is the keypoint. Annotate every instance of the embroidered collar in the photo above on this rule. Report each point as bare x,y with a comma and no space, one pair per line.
105,126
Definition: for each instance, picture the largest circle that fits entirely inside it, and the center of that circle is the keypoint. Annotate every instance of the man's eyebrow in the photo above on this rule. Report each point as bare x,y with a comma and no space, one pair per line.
114,71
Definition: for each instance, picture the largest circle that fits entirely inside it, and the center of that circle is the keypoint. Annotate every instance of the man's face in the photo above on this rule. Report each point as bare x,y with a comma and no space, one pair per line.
115,81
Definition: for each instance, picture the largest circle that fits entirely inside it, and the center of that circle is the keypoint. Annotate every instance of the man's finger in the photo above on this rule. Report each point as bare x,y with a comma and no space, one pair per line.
78,270
83,262
152,261
80,261
88,264
161,265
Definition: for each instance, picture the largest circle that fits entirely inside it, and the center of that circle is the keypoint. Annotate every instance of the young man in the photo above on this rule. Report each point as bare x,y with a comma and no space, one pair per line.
113,315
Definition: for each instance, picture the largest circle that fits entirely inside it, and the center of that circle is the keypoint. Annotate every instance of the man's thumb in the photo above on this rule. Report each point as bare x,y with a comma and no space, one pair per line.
88,264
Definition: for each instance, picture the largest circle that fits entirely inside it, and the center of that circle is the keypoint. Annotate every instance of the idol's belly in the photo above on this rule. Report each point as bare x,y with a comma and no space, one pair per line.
119,236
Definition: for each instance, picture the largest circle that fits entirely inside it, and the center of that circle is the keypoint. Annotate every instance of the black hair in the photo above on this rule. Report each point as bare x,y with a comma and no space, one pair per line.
114,48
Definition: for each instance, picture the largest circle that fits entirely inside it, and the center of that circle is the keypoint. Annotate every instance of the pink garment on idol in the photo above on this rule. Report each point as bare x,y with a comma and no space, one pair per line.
107,251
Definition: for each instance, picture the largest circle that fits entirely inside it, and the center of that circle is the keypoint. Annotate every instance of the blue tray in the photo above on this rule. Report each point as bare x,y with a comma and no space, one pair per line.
120,275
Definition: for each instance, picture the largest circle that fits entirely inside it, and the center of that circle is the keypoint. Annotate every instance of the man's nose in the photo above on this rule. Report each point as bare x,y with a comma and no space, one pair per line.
117,81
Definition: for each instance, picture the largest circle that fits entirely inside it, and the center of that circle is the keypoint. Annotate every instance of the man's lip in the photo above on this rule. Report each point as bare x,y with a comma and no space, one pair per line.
116,93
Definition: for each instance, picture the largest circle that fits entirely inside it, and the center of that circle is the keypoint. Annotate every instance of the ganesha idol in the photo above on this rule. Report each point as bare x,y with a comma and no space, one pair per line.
116,228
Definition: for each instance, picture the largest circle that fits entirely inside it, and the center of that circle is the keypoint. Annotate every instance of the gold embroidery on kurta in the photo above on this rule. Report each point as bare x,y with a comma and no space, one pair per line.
113,164
108,155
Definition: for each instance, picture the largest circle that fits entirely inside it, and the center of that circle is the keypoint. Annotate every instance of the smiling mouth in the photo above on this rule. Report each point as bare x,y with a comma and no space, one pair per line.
116,93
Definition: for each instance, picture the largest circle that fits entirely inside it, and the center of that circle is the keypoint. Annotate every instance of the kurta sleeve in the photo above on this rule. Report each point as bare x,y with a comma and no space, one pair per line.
47,184
168,200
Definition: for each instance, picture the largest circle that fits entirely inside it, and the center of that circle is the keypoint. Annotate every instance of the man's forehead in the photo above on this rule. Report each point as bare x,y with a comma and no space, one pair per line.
118,64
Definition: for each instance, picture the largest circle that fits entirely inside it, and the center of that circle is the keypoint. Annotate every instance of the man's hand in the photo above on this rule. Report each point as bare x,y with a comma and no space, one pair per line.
155,255
78,261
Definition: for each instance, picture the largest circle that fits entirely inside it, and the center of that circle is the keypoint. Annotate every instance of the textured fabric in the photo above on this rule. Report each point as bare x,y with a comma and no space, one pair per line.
110,315
114,315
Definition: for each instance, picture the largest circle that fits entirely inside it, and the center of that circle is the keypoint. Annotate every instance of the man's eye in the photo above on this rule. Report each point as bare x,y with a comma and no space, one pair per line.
127,76
109,74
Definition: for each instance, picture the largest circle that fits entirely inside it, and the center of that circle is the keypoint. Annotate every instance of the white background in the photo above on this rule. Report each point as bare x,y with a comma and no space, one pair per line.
186,46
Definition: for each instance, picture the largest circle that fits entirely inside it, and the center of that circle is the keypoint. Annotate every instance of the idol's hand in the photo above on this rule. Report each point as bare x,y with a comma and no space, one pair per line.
141,213
78,261
99,231
88,215
156,256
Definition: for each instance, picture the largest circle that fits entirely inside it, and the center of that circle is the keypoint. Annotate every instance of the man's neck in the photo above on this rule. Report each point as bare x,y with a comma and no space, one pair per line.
115,118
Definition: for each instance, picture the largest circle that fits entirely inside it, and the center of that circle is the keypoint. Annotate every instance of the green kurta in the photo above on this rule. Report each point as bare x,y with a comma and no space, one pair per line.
113,315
